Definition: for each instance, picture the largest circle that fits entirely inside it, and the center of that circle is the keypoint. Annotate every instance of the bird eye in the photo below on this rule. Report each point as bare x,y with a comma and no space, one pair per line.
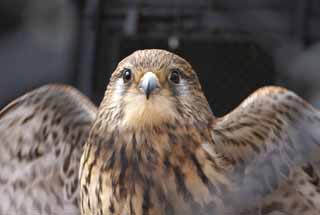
175,76
126,75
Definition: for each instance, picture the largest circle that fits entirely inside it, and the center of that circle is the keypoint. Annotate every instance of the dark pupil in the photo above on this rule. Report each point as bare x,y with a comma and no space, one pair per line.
127,75
174,77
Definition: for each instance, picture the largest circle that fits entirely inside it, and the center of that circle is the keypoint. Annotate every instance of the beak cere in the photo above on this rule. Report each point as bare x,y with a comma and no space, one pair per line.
149,83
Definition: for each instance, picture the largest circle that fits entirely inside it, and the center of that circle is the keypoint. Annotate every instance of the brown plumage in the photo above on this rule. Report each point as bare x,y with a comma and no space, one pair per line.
155,147
41,139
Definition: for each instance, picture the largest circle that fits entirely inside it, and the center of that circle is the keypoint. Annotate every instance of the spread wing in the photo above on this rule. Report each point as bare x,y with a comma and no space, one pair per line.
266,138
41,139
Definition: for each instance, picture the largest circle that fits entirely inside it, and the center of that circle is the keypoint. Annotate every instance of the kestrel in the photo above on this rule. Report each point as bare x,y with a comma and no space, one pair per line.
154,147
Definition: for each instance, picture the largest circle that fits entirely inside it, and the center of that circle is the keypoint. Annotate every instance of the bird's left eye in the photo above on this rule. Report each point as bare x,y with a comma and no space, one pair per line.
175,76
126,75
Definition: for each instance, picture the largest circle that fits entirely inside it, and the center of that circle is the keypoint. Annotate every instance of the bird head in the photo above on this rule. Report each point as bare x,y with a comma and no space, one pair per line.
150,87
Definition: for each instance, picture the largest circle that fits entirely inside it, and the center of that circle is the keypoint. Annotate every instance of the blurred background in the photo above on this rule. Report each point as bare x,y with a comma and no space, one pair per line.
236,46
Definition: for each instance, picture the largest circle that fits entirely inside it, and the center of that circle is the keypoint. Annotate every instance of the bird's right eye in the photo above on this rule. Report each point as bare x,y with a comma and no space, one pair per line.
126,75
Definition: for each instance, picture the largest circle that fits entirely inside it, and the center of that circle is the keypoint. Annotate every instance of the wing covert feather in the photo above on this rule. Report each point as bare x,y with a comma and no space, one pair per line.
267,138
41,138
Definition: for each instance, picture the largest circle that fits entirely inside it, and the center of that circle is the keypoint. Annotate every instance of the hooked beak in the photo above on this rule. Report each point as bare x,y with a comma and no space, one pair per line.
149,83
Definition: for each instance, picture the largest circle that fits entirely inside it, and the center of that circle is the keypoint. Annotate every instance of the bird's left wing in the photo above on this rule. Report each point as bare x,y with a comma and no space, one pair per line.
266,138
41,139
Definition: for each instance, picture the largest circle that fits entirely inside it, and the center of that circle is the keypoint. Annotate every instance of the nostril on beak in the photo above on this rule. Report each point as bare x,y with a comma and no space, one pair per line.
149,83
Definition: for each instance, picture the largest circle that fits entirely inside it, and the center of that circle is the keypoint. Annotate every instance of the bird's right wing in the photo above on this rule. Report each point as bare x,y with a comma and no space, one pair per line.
41,139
